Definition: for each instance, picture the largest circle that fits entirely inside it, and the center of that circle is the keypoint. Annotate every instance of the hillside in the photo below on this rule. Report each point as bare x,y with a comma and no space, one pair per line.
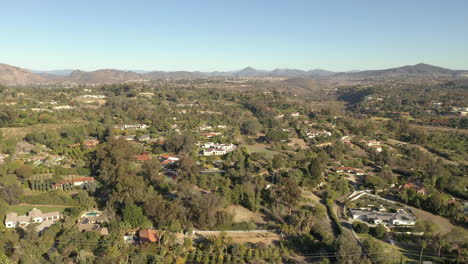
103,76
418,70
13,76
10,75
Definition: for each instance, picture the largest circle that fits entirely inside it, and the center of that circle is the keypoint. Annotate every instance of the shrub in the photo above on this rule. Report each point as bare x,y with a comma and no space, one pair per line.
360,227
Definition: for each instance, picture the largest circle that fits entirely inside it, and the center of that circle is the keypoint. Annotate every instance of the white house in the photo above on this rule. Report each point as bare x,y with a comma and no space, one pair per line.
401,217
45,220
136,127
314,134
371,143
210,149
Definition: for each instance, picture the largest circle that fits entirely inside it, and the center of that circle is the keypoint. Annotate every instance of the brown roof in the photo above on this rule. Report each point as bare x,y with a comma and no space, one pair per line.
143,157
148,236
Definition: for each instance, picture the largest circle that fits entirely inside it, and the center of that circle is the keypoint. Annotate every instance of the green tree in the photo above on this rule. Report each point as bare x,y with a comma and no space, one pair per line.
379,231
24,171
360,228
133,215
315,171
251,127
348,250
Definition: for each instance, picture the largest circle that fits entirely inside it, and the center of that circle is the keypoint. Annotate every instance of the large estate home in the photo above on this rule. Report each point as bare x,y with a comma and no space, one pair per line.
210,149
401,217
80,181
45,220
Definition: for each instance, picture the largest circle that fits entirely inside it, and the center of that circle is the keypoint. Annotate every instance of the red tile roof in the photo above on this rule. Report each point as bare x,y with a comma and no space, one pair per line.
148,236
72,181
143,157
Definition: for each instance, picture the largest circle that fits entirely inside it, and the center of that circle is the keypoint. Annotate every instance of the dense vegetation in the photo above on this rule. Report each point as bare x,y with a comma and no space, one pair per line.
281,170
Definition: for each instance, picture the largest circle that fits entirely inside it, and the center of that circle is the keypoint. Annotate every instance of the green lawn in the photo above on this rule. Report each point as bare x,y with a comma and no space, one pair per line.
21,210
262,149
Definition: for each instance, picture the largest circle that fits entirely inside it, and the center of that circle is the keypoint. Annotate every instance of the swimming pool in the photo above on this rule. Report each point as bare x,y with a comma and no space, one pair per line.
92,213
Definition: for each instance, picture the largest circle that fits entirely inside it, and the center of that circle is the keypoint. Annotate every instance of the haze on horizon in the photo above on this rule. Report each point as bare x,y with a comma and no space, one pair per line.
207,36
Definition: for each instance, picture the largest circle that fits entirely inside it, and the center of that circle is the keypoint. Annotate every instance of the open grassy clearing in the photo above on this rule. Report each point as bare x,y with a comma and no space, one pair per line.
242,214
21,132
23,209
442,224
261,148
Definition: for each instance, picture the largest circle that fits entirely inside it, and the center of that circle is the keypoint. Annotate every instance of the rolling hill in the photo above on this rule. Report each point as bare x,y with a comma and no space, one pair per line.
13,76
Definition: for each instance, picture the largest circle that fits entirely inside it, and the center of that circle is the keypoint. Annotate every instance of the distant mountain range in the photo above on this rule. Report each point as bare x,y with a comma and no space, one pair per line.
13,76
418,70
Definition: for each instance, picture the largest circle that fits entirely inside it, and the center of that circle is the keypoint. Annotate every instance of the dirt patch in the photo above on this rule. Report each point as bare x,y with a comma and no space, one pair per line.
443,225
242,214
264,236
298,142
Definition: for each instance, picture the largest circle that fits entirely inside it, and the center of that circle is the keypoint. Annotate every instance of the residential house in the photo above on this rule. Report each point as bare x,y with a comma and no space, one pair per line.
130,236
91,143
371,143
75,182
168,159
401,217
316,133
54,160
414,186
44,220
96,96
135,127
63,107
143,157
38,160
92,222
148,236
211,134
348,170
211,149
203,128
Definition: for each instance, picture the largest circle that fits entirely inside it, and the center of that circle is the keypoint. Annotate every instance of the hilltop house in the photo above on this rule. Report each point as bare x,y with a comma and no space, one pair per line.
401,217
44,220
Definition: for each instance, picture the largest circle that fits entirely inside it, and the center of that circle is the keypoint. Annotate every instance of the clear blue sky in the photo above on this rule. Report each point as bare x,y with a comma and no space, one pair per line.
229,35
